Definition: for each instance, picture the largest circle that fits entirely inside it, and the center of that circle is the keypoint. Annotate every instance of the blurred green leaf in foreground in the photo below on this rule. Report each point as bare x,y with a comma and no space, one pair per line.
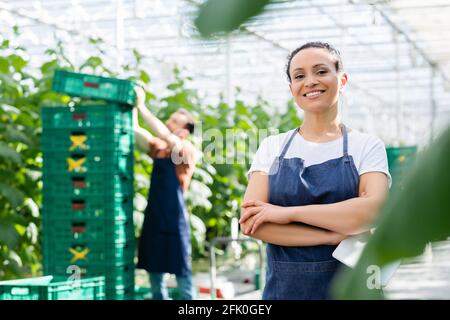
411,218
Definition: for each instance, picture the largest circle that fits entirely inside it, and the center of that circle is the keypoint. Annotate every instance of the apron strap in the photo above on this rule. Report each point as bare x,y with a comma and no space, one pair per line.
286,146
344,134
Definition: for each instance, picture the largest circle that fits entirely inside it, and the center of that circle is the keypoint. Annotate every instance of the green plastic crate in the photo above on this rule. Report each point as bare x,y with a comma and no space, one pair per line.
75,252
115,274
94,87
100,185
89,268
400,157
87,117
92,161
79,140
116,279
87,229
114,284
400,161
87,206
50,288
121,292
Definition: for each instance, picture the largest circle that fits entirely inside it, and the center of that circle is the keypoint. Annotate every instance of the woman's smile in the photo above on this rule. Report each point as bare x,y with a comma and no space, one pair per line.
314,94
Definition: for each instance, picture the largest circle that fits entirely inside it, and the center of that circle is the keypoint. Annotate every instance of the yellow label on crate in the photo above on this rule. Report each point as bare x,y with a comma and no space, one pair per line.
75,164
78,141
78,255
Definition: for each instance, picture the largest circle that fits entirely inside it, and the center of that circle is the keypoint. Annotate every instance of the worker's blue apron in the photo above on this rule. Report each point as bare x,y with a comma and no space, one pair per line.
306,272
165,244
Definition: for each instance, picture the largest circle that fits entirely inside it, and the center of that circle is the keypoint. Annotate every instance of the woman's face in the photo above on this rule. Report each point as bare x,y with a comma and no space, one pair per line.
315,82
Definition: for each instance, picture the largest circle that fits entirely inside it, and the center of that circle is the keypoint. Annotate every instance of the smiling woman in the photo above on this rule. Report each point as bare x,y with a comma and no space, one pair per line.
317,78
313,186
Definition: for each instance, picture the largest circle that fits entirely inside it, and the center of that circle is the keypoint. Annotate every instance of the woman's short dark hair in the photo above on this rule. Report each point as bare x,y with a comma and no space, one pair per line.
316,44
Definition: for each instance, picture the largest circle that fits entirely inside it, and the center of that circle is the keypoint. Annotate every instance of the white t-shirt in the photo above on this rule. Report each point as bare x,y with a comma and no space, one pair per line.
368,152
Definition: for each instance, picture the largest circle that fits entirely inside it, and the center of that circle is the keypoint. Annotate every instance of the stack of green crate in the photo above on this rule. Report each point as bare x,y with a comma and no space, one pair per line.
50,288
88,183
400,161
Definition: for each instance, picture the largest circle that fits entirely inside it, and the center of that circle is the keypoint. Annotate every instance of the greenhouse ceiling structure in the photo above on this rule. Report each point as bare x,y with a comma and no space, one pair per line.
396,52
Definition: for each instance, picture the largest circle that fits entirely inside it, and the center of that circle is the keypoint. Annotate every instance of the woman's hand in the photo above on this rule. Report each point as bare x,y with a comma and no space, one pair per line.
261,212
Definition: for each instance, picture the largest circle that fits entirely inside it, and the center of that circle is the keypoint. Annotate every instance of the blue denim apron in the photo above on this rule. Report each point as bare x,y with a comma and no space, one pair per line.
165,244
306,272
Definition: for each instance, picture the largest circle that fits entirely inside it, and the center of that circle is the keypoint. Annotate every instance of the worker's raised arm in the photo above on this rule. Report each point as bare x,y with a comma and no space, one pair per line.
156,125
142,137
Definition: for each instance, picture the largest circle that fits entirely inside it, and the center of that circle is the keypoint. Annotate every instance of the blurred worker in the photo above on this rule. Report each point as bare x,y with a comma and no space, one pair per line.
165,243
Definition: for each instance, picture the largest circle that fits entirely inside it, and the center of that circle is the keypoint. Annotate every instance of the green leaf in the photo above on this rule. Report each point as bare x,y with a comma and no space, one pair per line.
92,62
18,219
50,51
32,232
204,175
4,65
10,154
8,234
20,229
97,40
5,44
212,222
51,96
411,218
197,224
15,258
137,56
144,77
149,96
49,67
9,109
14,196
9,83
199,193
17,62
34,208
175,86
241,109
245,123
13,135
109,72
225,16
95,61
26,120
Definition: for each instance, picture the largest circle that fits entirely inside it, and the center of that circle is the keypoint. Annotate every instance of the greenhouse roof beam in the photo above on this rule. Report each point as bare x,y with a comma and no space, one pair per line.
432,64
